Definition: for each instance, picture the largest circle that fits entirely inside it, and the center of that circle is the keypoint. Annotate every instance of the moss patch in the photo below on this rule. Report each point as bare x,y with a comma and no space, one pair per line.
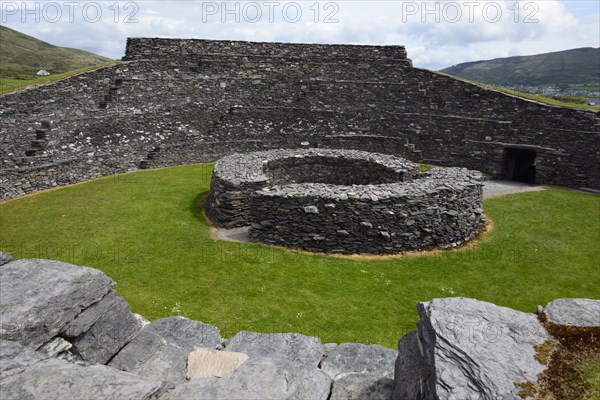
527,389
544,351
574,365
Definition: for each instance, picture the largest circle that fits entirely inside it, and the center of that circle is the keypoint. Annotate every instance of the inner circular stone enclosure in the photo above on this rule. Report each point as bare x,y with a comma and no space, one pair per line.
345,201
330,170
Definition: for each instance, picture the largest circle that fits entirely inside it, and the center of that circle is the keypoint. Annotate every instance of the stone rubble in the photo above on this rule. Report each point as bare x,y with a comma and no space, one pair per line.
259,378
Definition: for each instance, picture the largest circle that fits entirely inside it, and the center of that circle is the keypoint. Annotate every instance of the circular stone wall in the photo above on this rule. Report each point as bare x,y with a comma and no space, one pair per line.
345,201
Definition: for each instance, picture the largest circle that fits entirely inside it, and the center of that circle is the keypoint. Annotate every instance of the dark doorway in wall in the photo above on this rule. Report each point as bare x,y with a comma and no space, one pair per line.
520,165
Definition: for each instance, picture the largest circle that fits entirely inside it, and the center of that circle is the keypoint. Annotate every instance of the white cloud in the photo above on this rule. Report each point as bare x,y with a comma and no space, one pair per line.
436,33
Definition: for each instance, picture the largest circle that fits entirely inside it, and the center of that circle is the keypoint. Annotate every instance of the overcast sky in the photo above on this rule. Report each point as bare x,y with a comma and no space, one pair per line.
436,34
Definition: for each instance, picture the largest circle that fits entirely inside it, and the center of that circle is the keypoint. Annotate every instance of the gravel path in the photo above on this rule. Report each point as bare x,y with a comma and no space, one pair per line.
500,188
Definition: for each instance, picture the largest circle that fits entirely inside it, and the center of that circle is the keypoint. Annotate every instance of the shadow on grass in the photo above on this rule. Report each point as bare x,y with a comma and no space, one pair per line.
198,204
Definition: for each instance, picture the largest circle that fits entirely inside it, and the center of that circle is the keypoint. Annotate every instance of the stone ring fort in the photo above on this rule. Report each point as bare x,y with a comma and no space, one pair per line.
345,201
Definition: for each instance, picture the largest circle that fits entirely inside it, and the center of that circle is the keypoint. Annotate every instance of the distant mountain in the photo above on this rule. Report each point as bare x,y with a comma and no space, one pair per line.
22,56
577,66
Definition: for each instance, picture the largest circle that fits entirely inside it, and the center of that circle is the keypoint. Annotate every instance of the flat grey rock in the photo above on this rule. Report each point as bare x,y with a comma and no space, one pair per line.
360,371
88,317
142,321
5,258
475,350
259,378
294,347
113,330
15,358
152,357
160,351
26,374
328,348
38,298
575,312
360,386
355,357
186,333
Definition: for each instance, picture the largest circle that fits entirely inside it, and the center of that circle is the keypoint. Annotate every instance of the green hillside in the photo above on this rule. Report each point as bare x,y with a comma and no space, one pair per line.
22,56
577,66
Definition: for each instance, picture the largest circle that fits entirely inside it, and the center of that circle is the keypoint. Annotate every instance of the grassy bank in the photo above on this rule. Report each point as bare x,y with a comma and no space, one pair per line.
8,85
552,101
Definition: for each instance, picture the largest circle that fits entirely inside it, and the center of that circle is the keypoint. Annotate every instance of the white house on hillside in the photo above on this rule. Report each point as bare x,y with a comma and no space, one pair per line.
593,102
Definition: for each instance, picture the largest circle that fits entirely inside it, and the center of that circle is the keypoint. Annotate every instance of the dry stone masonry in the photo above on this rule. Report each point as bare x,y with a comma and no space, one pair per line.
236,177
345,201
462,349
174,102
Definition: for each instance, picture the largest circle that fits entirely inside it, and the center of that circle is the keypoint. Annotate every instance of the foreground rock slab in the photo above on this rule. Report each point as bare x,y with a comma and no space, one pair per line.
259,378
360,371
469,349
161,350
38,298
27,374
575,312
204,363
115,328
294,347
186,333
361,386
355,357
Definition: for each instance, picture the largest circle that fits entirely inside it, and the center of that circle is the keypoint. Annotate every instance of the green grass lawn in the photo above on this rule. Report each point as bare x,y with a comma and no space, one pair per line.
146,231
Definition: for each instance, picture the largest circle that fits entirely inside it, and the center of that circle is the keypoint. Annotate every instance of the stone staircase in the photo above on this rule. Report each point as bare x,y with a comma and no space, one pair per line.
38,145
112,92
